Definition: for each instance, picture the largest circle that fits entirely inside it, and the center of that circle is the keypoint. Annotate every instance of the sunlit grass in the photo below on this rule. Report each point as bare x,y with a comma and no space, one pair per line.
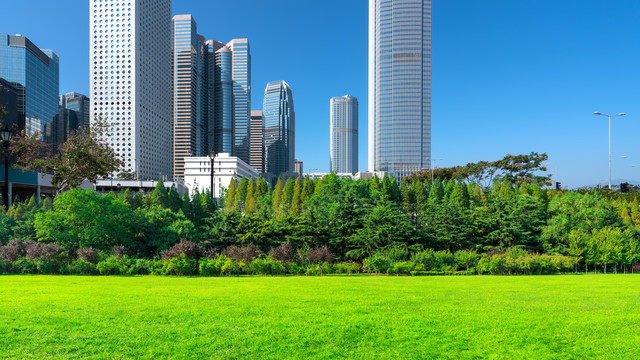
371,317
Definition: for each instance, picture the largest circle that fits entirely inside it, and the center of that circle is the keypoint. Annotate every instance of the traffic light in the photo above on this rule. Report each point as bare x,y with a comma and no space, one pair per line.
558,186
624,187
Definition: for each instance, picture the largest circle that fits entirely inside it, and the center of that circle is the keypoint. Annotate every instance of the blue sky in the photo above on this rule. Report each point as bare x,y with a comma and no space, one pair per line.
508,76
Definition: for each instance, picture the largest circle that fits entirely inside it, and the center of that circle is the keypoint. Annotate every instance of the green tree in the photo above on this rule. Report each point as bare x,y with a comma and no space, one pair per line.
230,197
277,196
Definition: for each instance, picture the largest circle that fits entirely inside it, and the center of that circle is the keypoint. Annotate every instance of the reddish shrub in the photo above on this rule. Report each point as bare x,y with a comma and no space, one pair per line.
283,252
88,254
38,250
245,253
321,254
120,251
190,249
12,251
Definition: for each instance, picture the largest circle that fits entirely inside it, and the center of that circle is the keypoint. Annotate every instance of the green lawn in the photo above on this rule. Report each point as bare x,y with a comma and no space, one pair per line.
369,317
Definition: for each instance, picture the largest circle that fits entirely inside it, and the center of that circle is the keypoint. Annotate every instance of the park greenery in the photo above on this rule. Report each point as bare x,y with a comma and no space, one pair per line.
324,226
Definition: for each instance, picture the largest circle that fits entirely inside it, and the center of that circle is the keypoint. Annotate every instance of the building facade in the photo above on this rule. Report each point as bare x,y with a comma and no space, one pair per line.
298,168
344,134
257,140
131,81
190,116
399,86
34,73
9,106
78,103
197,172
279,128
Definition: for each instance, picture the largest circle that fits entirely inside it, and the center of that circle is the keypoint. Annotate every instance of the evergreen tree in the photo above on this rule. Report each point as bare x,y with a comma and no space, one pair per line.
160,196
127,197
47,204
277,196
262,186
374,184
460,196
437,191
187,208
174,199
307,190
241,193
230,197
297,198
420,194
287,195
251,198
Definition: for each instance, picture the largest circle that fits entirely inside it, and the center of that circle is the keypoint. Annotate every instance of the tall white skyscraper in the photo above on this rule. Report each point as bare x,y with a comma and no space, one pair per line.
131,80
344,134
399,86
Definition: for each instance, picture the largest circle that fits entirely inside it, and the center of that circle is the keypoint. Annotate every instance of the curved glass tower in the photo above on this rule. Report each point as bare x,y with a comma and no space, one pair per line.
399,86
279,128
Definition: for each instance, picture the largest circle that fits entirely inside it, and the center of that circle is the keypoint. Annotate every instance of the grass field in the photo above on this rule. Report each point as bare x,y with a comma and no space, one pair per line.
368,317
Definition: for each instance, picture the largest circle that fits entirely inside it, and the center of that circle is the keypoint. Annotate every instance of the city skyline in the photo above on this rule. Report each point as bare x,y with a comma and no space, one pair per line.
499,86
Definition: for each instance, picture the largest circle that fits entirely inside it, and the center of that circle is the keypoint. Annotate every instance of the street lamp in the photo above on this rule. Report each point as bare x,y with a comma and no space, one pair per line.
609,116
433,164
5,135
212,156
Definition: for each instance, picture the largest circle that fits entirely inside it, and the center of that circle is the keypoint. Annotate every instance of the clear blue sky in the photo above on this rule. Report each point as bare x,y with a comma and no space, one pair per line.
508,76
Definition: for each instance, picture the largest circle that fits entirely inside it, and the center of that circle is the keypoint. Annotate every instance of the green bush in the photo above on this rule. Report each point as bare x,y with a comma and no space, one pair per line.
79,267
320,269
220,265
376,264
295,269
114,266
517,261
5,267
403,267
180,266
347,268
266,266
46,267
143,267
24,266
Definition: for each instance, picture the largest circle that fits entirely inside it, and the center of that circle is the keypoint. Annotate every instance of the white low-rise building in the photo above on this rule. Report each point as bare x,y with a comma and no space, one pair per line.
197,172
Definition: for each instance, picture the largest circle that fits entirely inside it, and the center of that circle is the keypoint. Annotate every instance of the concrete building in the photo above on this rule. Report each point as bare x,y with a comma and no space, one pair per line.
399,86
130,60
298,168
279,128
344,134
34,74
355,176
197,172
257,140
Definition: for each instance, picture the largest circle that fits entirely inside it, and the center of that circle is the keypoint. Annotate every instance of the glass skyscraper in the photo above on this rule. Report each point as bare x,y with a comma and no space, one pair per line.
257,140
190,123
279,128
35,73
344,134
399,86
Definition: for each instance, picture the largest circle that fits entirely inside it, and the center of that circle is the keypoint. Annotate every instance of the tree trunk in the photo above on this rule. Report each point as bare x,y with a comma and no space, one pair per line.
605,268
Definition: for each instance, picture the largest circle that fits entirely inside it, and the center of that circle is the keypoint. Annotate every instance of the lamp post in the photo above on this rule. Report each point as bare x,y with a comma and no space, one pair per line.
433,164
609,116
5,135
212,156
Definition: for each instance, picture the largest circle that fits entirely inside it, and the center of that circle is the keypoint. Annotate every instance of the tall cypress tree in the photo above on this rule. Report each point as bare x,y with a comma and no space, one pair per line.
297,198
277,195
251,198
307,190
230,197
159,196
174,199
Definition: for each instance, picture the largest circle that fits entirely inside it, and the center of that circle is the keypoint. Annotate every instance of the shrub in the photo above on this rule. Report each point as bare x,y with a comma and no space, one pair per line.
12,251
187,248
209,252
46,267
321,254
347,268
5,267
24,266
402,267
114,266
46,252
293,268
80,267
244,253
376,264
180,266
320,269
266,266
283,253
143,267
120,251
88,255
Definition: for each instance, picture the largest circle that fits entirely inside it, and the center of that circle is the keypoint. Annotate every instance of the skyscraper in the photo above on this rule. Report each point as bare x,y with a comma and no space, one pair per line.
399,86
190,122
279,128
257,140
80,104
34,73
131,80
231,96
344,134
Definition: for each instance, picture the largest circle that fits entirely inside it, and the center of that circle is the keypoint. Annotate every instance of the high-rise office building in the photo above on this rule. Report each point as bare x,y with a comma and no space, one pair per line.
131,81
399,86
9,105
34,73
344,134
80,104
257,140
231,98
190,122
279,128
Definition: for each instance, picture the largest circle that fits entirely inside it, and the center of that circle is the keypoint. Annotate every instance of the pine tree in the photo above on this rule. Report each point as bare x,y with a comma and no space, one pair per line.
374,184
307,190
174,199
460,196
420,194
437,191
127,197
287,195
505,190
297,198
47,204
230,197
250,199
277,196
187,208
160,196
263,187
